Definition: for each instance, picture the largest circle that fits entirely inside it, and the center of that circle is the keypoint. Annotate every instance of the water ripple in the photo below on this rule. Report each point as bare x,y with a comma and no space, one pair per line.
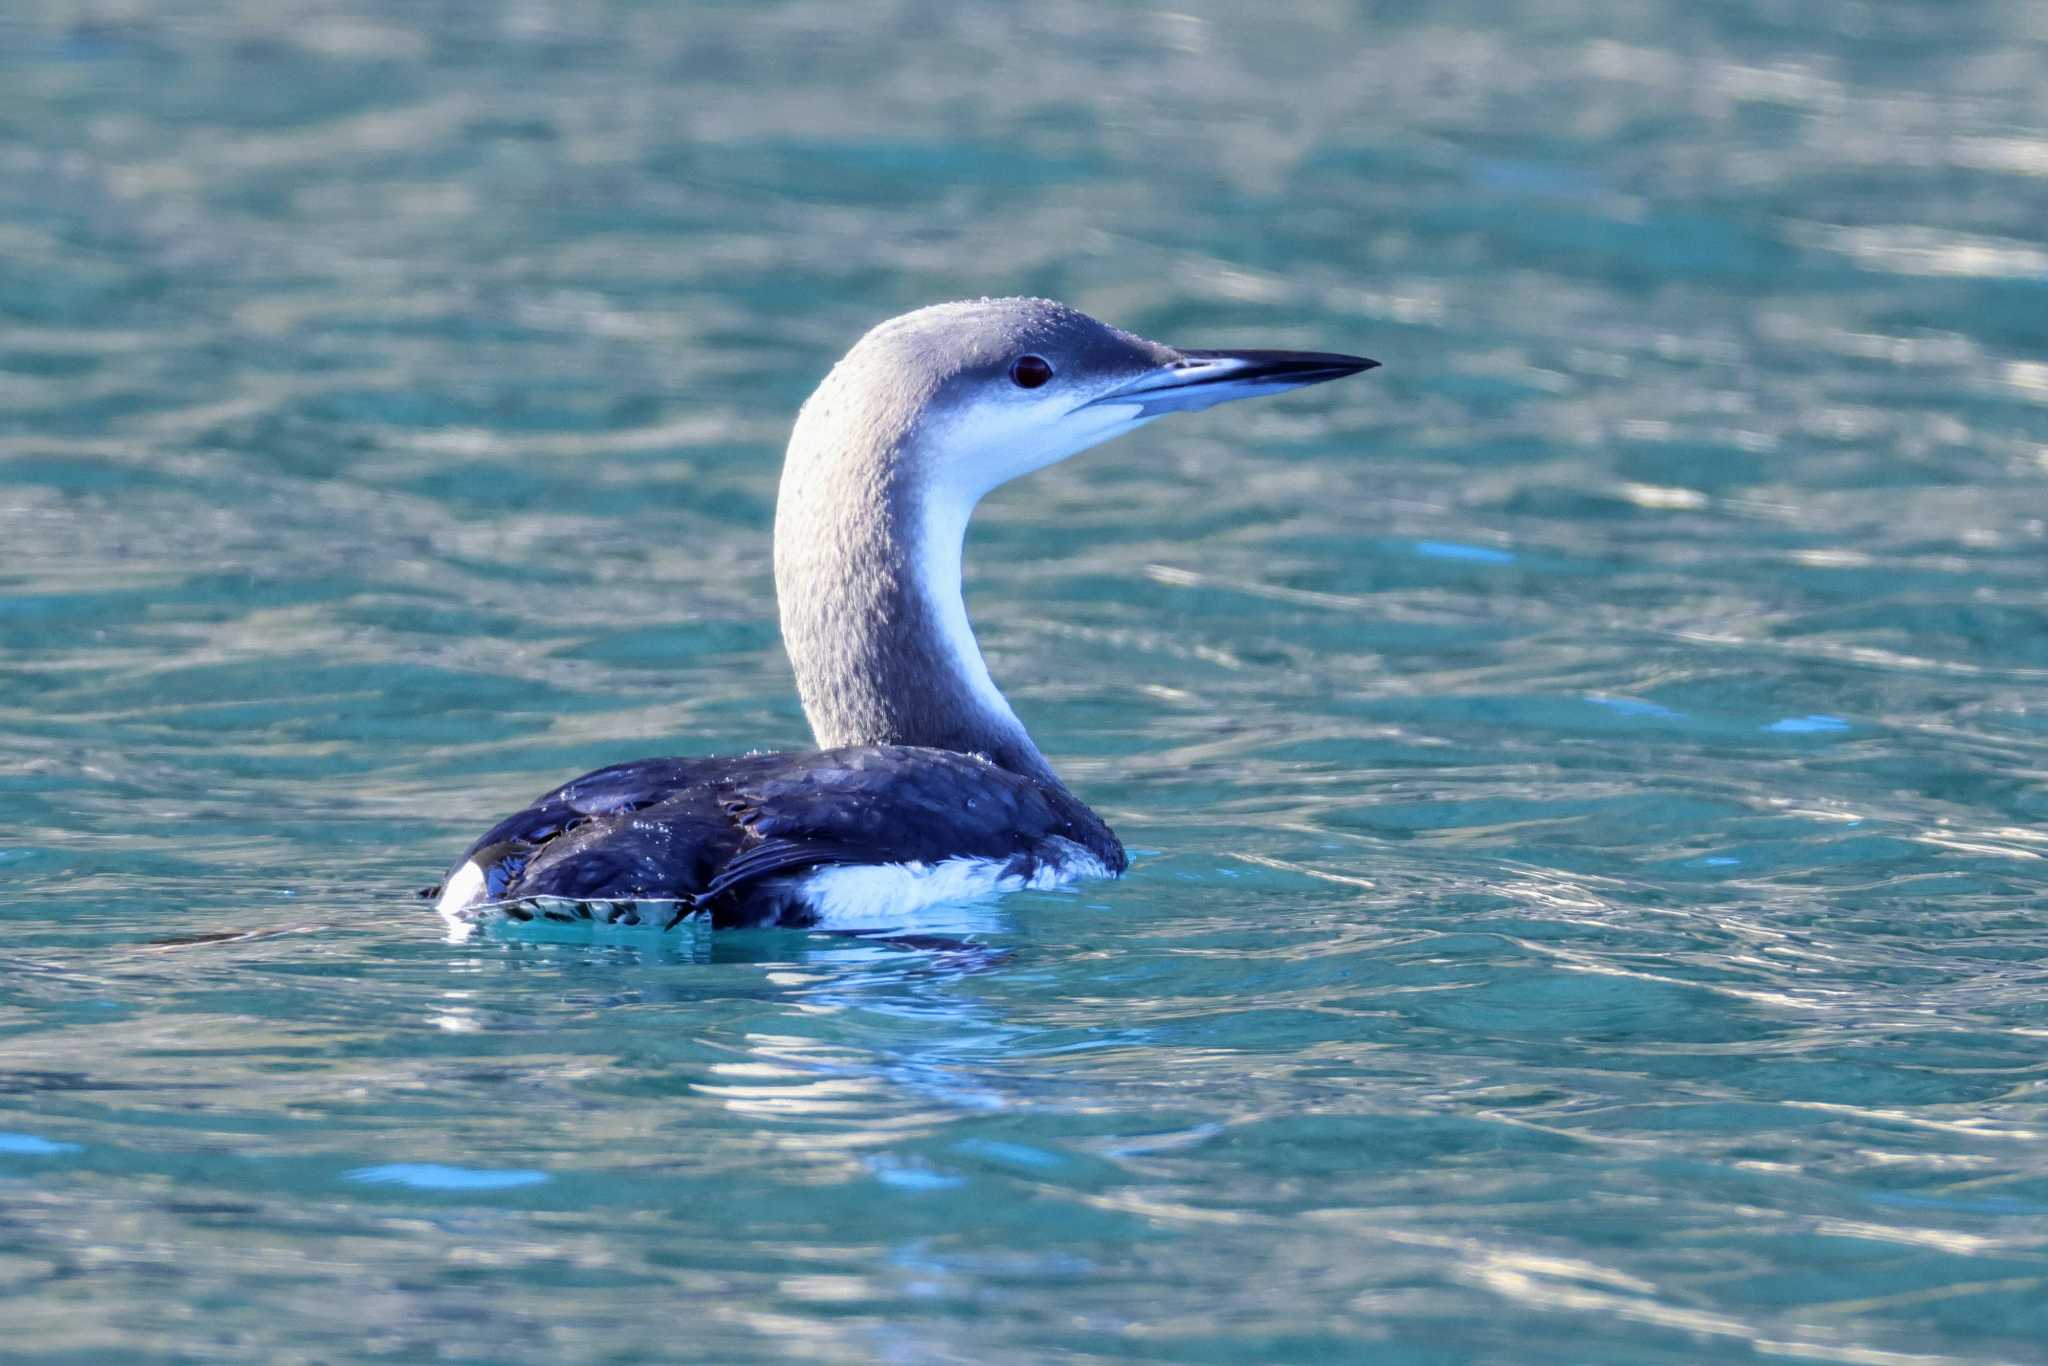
1588,784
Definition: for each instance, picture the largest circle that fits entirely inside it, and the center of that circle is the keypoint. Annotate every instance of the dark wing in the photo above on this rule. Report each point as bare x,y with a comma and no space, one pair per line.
887,804
506,850
716,833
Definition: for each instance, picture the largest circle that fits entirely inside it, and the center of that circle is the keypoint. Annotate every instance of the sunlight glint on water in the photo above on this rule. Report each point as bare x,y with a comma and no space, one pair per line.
1586,777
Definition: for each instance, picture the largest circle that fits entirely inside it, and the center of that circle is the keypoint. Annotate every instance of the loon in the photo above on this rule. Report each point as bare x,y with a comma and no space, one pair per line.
925,788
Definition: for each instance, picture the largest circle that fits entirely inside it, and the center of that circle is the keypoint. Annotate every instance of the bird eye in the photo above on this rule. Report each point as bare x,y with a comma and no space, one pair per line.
1030,371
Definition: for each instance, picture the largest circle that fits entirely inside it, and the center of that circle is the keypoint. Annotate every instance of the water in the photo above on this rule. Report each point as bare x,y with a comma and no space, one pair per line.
1590,776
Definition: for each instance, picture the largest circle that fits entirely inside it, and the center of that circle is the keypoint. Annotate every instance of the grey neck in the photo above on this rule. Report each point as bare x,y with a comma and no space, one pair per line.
867,575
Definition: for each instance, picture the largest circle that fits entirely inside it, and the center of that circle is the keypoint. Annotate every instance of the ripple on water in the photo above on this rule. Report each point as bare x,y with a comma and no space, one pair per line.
1585,776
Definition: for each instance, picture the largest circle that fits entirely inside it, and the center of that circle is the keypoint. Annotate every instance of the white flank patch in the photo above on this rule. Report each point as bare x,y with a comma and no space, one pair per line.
873,896
461,893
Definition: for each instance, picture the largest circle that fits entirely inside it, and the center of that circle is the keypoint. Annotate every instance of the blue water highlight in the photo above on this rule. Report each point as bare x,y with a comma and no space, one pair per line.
1588,772
1451,550
432,1176
33,1145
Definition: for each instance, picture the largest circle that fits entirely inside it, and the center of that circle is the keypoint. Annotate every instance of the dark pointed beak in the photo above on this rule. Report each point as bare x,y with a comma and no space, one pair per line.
1203,379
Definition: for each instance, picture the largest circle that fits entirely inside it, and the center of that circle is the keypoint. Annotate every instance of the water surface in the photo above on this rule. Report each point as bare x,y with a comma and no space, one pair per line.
1589,778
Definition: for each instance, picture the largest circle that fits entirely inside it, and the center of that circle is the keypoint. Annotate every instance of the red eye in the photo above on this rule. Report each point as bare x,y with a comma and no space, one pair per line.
1030,371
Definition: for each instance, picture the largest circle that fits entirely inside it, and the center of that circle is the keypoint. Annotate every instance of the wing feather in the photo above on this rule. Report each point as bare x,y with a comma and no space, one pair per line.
724,833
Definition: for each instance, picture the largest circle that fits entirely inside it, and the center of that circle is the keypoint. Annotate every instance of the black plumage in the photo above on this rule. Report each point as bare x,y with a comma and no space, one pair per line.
731,836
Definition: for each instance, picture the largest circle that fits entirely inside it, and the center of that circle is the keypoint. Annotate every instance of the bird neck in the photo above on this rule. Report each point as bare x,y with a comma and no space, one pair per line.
868,579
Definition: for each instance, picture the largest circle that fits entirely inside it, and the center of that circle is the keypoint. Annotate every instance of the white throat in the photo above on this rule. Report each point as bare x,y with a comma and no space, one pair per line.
940,570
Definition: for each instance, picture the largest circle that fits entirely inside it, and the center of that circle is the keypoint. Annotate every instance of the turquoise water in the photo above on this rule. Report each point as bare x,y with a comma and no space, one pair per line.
1590,777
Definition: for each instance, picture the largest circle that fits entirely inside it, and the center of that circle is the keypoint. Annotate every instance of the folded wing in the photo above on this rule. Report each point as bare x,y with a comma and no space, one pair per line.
734,837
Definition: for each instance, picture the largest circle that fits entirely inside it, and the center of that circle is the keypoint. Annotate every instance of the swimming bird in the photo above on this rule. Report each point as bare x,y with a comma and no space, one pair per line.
925,788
